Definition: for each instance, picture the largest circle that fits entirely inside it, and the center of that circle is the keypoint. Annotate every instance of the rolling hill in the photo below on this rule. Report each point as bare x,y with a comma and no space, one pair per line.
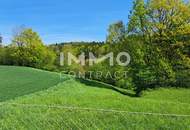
19,81
36,99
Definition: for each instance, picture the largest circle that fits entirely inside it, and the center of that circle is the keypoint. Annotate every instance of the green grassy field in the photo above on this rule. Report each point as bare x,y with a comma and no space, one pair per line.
77,105
19,81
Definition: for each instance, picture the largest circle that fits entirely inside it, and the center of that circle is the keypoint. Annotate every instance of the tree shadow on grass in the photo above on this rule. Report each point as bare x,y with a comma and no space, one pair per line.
107,86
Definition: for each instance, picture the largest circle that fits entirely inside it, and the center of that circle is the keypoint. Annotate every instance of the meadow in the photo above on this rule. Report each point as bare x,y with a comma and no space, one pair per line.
38,99
19,81
134,77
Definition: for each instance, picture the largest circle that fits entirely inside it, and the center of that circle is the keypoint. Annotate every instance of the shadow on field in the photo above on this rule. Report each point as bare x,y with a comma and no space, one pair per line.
104,85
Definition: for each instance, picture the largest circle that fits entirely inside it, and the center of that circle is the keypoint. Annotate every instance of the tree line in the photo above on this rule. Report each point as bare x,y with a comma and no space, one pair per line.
157,37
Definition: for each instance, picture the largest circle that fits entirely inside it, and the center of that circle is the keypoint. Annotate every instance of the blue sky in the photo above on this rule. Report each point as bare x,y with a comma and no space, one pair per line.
63,20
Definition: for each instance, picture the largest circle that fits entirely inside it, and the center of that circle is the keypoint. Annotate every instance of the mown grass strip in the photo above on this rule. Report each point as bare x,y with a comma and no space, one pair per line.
91,109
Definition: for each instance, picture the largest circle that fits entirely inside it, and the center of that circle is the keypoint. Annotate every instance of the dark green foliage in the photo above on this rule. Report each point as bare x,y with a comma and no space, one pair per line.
149,67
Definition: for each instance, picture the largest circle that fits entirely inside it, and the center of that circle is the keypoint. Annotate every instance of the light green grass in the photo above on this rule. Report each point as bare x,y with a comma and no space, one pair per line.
171,95
72,93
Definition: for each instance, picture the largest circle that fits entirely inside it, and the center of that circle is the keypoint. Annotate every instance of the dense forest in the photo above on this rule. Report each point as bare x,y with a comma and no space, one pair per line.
157,37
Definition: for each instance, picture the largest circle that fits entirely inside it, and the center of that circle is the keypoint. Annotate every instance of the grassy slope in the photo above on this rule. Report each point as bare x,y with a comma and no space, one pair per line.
73,93
19,81
76,94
